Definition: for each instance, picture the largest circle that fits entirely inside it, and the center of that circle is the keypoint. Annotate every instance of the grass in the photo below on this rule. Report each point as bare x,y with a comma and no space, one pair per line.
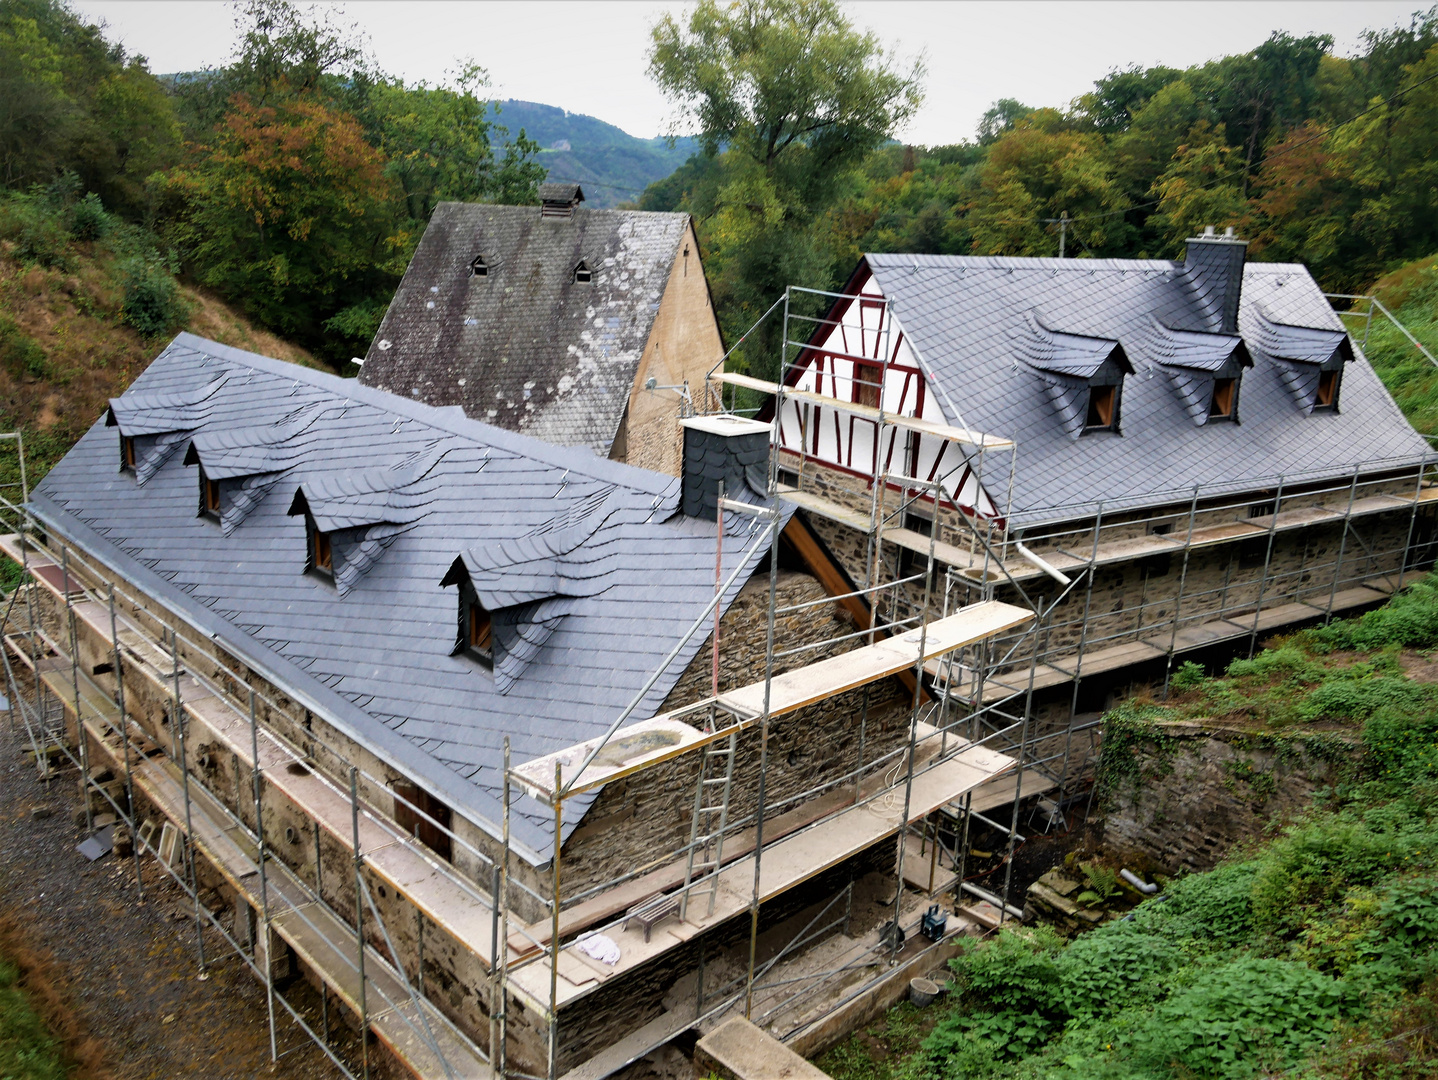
1312,955
28,1051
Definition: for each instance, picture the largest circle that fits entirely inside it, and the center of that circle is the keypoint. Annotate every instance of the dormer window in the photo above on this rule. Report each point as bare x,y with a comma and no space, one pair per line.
582,273
1102,408
478,267
320,554
1328,390
1225,397
209,496
478,633
127,453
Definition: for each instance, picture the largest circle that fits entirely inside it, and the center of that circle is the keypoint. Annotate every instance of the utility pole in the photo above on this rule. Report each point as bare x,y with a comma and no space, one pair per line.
1062,221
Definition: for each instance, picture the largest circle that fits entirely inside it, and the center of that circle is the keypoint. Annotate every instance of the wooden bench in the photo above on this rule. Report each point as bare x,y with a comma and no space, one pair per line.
651,911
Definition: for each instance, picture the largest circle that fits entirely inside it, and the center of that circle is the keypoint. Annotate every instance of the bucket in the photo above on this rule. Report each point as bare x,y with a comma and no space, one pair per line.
923,991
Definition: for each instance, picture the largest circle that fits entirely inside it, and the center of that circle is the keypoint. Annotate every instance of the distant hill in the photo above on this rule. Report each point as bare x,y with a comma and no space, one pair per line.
610,164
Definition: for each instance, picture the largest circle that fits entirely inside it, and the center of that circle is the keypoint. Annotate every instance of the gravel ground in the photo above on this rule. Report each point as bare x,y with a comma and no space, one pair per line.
127,969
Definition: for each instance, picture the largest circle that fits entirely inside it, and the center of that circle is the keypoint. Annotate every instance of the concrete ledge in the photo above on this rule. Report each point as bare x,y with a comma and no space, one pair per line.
737,1050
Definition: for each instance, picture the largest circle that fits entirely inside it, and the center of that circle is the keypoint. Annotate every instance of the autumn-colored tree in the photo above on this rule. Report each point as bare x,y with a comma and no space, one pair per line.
287,211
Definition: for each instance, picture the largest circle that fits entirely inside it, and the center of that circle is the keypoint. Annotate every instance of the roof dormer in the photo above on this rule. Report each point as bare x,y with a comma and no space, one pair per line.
559,200
1310,360
1206,370
1082,376
152,425
238,466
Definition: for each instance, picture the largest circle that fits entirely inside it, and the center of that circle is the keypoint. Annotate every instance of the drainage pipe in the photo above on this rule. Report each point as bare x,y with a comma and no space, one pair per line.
1137,882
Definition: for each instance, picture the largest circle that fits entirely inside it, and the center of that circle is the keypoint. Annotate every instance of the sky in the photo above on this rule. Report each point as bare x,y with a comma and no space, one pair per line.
589,56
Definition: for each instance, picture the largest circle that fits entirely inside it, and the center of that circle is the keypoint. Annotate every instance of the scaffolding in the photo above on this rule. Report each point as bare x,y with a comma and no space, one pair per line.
971,617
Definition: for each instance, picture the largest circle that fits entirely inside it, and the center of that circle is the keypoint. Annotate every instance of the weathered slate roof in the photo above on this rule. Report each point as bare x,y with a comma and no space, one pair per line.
525,346
968,318
593,574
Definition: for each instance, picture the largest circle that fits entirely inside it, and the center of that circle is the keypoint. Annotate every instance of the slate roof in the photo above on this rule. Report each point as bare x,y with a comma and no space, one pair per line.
971,321
525,346
593,573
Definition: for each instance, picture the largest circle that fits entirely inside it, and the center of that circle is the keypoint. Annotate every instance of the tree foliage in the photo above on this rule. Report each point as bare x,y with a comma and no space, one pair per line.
789,98
294,181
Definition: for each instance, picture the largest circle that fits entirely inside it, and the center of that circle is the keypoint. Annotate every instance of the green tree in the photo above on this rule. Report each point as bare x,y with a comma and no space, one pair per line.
35,110
794,98
1200,187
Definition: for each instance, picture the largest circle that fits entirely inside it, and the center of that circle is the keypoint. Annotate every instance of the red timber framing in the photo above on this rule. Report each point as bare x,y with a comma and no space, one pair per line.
856,345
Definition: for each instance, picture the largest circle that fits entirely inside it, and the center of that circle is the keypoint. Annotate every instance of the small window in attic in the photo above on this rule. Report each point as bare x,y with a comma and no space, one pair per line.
866,384
209,496
1327,390
478,633
1224,393
127,453
321,557
582,273
478,267
1101,411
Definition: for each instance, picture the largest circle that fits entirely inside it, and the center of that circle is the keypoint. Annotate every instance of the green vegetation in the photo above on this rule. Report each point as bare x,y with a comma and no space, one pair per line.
1314,158
1313,955
293,182
27,1049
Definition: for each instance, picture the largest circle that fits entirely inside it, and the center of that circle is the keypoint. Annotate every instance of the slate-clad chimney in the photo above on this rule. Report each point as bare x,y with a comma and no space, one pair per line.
559,200
1215,264
727,448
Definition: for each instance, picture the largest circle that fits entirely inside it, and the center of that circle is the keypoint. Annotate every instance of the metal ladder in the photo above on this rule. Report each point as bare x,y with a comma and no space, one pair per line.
716,775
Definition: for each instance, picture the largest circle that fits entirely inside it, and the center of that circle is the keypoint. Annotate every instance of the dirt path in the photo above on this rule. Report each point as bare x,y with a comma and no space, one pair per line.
127,970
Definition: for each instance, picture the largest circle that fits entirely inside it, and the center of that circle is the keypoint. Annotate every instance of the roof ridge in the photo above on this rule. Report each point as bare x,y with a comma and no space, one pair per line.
442,418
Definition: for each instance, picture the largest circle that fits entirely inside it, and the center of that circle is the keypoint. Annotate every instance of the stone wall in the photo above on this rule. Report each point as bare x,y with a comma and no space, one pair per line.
636,821
1190,793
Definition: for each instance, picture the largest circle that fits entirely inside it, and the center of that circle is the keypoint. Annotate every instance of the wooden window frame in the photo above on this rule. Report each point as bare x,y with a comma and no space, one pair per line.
1223,404
1102,406
421,815
319,551
868,384
128,456
1330,382
478,631
209,497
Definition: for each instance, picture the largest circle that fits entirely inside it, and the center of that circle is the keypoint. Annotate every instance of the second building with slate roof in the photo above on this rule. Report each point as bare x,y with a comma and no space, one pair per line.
550,320
1198,444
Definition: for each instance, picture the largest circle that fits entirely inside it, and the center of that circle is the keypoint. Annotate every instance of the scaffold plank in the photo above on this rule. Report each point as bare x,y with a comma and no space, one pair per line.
825,508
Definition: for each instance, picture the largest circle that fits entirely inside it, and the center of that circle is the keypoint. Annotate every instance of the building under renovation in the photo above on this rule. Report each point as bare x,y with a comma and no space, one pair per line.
533,761
402,677
1183,457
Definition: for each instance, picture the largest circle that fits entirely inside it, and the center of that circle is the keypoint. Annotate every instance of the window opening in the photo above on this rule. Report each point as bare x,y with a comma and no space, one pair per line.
1100,408
1252,554
582,273
321,555
127,453
1223,393
1327,390
866,384
424,817
478,632
478,267
209,496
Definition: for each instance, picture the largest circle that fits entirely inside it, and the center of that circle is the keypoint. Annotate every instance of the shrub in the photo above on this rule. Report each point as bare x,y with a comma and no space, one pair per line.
20,353
1401,746
88,219
1212,910
1246,1014
37,229
1409,619
1187,677
1111,968
1316,862
153,304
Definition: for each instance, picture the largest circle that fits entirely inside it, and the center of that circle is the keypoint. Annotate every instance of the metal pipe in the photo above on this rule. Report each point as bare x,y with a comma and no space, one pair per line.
124,733
554,932
1267,562
178,714
359,923
1342,548
80,737
258,783
1178,600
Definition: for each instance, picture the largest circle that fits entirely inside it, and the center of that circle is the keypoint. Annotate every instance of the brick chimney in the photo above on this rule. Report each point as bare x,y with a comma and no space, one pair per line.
1215,265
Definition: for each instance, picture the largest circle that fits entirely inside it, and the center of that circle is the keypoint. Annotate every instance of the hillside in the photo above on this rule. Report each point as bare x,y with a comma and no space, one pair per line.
610,164
1312,954
64,350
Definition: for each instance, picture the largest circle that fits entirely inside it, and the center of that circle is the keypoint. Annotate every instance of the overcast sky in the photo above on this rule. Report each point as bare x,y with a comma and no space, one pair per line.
589,57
